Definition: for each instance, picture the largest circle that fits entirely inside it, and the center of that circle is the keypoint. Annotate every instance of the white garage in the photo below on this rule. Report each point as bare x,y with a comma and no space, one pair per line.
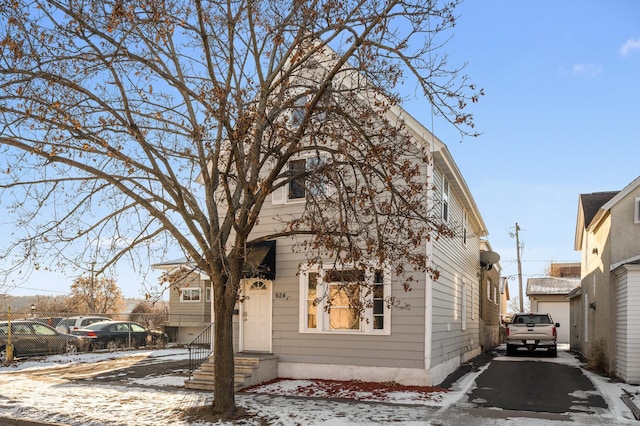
559,311
549,295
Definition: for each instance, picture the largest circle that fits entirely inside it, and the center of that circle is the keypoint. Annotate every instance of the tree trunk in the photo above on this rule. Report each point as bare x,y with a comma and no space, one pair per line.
224,404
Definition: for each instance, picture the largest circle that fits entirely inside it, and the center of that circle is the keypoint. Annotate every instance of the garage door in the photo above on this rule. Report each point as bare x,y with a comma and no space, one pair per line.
559,311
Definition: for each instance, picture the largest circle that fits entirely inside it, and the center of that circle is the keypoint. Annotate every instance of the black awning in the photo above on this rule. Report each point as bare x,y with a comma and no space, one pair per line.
261,261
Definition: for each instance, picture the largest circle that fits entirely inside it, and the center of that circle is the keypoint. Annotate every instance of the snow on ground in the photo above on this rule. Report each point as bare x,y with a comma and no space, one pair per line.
31,390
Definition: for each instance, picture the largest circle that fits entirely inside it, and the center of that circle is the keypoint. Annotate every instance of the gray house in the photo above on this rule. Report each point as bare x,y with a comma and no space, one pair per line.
448,321
604,314
435,329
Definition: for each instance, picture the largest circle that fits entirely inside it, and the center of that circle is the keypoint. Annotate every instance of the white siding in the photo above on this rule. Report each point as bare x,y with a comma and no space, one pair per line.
627,324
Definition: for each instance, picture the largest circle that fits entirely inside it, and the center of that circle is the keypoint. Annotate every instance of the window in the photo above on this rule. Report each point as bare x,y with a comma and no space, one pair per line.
311,183
495,295
473,301
636,217
297,187
445,200
207,294
190,294
319,113
488,289
463,307
299,111
328,306
465,224
137,328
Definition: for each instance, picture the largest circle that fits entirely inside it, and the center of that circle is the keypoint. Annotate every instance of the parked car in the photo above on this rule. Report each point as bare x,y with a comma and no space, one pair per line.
118,334
532,331
67,325
32,338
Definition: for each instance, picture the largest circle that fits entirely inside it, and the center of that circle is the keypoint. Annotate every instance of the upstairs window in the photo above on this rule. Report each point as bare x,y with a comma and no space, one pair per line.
445,200
636,216
297,187
299,110
308,182
465,225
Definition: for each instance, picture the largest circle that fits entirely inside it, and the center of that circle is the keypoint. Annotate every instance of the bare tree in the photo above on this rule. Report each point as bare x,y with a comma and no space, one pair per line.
96,295
514,304
52,305
151,314
128,128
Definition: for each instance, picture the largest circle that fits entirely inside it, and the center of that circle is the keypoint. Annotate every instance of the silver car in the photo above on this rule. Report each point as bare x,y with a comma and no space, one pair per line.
32,338
67,325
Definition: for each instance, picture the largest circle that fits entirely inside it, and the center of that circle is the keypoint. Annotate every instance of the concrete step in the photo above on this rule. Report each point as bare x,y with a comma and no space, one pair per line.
247,371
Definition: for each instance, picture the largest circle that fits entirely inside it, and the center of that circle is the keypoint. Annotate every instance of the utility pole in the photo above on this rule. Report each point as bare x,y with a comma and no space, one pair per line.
519,268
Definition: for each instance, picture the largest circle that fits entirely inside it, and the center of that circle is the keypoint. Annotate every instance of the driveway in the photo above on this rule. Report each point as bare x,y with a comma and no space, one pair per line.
531,386
535,384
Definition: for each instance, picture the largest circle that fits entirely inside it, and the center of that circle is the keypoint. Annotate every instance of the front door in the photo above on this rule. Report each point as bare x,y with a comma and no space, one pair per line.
255,326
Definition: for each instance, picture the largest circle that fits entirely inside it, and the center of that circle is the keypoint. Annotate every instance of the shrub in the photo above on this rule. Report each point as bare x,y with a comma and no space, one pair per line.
597,360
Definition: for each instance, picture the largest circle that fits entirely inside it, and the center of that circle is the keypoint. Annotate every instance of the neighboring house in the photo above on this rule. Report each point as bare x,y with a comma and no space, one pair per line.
604,311
549,295
189,301
490,297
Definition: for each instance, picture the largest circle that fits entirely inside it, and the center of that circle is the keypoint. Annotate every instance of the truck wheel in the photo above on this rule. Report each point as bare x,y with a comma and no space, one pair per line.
553,351
511,350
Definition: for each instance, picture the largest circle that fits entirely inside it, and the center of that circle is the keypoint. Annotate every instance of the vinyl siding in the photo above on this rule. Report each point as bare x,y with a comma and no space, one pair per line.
189,313
458,265
404,347
627,324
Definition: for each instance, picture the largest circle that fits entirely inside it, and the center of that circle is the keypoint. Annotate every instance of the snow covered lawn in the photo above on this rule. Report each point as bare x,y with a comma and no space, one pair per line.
37,390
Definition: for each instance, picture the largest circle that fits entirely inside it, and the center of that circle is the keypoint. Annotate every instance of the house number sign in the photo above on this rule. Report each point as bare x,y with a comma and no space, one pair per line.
281,295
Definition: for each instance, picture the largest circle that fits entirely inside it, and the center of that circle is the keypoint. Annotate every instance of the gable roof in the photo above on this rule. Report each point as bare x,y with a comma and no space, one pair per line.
621,194
588,206
551,285
591,207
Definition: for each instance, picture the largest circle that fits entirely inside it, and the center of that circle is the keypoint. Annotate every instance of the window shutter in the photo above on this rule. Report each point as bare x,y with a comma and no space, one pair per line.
278,195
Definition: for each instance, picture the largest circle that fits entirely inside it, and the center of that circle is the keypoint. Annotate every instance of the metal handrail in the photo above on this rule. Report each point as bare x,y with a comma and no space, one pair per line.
200,348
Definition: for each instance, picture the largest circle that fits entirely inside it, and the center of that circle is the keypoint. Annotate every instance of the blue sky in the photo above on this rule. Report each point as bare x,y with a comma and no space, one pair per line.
560,117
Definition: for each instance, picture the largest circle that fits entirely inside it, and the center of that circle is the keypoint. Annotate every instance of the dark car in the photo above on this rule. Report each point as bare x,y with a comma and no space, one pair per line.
119,334
33,338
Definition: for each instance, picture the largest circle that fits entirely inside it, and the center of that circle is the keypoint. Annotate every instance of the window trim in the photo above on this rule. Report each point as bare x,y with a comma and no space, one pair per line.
445,207
465,225
463,307
326,186
636,216
190,290
322,316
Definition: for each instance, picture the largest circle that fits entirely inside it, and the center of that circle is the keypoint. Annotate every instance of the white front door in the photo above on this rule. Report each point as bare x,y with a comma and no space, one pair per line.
255,324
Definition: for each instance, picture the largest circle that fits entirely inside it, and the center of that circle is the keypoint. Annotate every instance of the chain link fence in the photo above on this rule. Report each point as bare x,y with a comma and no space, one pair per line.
39,334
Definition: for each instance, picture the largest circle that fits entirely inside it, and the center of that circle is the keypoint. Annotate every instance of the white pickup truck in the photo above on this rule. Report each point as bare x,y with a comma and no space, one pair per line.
532,331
